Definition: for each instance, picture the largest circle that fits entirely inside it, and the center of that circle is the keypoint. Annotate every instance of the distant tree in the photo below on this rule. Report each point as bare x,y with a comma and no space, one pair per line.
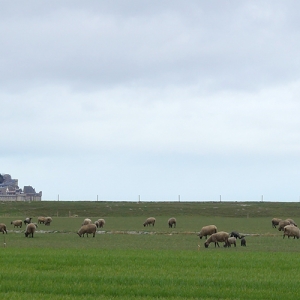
1,179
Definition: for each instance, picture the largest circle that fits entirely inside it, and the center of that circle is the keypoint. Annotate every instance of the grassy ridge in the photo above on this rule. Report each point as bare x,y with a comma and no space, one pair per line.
130,209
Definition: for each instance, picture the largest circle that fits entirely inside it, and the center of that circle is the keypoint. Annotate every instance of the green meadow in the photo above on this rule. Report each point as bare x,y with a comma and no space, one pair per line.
128,261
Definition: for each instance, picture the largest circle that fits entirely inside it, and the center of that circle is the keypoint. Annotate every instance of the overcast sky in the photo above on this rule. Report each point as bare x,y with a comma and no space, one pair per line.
152,98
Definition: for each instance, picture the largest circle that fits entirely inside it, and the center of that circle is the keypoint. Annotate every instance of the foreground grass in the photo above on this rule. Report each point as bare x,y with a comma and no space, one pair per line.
158,274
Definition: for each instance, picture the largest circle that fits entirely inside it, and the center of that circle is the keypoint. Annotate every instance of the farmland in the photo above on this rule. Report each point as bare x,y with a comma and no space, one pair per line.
128,261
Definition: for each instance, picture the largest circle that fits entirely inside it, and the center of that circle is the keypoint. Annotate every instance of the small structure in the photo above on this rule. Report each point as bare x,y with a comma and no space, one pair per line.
10,191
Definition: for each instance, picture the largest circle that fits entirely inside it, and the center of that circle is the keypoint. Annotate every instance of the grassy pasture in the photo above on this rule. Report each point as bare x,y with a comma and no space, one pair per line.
128,261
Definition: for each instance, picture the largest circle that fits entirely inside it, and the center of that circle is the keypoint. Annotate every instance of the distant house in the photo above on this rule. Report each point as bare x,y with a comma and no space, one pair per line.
10,191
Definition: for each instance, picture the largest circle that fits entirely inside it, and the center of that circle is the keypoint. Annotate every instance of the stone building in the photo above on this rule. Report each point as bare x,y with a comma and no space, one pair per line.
10,191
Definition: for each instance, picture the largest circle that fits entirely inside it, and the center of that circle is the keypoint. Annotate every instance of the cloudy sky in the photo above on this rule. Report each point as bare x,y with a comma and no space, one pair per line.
152,98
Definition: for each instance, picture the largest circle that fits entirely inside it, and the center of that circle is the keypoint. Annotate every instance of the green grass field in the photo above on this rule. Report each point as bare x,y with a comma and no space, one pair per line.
128,261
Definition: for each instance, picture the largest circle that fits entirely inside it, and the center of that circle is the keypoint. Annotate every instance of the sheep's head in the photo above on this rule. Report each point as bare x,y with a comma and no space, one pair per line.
206,245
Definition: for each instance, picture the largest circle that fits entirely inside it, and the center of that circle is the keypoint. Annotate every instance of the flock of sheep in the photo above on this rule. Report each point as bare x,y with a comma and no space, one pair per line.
215,237
30,226
87,227
288,226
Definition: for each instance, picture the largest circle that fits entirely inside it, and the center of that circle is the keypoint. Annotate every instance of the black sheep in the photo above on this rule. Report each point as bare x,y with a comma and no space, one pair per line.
235,234
243,242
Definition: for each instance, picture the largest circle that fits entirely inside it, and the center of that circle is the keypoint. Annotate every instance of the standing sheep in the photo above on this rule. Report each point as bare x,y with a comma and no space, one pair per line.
221,236
17,223
291,230
283,223
235,234
3,228
149,221
86,222
292,222
231,241
41,220
86,229
48,221
27,221
30,229
275,222
171,222
207,230
243,242
101,223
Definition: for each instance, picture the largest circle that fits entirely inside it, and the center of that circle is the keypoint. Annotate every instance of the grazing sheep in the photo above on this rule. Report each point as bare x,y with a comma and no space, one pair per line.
17,223
243,242
221,236
3,228
207,230
231,241
292,222
149,221
101,223
283,223
235,234
171,222
27,221
96,223
48,221
86,229
86,222
291,230
275,222
41,220
30,229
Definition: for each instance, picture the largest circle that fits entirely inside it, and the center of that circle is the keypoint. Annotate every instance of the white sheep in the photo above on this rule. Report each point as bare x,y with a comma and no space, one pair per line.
41,220
221,236
275,222
171,222
291,230
101,223
3,228
292,222
207,230
30,229
48,221
149,221
17,223
27,221
86,222
87,229
231,241
283,223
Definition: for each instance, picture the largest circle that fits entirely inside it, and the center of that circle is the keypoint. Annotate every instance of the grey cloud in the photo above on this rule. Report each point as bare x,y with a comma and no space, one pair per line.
227,46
